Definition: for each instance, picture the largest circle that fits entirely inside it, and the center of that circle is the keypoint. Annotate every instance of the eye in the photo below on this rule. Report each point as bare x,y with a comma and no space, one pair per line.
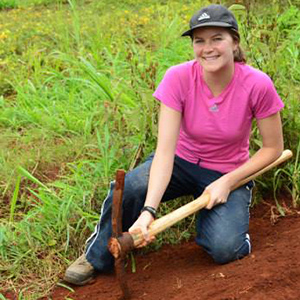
199,41
217,39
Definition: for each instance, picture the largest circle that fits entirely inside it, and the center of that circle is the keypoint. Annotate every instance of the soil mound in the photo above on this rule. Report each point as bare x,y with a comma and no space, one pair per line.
186,272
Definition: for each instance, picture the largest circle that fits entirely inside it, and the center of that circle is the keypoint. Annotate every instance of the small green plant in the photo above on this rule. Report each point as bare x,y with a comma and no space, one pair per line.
6,4
292,183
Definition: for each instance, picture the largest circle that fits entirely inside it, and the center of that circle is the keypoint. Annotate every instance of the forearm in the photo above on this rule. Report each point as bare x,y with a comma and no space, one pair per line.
161,168
162,164
272,146
160,174
259,160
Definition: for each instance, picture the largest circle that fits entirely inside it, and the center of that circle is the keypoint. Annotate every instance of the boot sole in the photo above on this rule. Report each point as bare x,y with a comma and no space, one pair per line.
74,280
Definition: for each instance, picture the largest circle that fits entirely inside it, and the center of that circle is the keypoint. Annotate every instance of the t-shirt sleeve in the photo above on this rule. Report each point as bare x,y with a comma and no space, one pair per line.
265,100
169,91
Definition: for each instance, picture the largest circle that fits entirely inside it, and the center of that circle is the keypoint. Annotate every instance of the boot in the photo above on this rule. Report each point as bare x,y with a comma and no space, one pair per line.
79,272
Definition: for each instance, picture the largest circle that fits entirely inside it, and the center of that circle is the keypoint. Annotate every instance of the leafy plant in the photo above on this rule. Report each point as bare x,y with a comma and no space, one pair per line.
292,172
5,4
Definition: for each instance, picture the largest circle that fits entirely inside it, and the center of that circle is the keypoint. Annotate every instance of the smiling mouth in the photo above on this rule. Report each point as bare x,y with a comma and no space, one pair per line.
211,58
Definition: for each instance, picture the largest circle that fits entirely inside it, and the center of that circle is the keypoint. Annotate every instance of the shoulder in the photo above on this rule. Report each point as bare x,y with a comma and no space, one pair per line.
264,99
185,66
251,77
184,70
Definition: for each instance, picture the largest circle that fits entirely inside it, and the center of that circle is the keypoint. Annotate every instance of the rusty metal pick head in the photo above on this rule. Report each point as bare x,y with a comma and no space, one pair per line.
114,245
121,245
117,204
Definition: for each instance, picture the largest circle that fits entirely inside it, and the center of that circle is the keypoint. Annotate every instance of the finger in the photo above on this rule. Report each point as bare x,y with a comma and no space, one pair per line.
146,242
210,204
145,234
143,244
135,230
225,200
152,238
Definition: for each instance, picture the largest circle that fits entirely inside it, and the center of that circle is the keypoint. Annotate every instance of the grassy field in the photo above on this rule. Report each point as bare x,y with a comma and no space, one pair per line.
76,104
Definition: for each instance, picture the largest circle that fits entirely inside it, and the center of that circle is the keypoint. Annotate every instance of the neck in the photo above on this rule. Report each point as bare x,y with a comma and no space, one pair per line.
218,81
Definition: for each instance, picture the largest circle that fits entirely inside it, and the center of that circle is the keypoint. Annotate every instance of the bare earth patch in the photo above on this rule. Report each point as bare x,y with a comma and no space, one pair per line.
186,272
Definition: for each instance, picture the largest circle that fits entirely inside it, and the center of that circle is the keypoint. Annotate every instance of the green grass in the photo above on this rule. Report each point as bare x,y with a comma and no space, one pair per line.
76,104
10,4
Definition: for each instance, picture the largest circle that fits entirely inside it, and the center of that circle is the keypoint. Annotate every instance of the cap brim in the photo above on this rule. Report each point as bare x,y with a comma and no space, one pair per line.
207,24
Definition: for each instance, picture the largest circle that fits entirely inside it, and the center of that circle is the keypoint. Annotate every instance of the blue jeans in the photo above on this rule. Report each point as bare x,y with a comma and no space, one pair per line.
221,231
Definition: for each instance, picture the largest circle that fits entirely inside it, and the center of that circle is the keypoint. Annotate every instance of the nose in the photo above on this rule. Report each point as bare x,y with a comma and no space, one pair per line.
207,47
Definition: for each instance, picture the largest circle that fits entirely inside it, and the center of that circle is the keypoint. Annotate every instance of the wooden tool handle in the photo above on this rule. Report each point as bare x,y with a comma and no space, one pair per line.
177,215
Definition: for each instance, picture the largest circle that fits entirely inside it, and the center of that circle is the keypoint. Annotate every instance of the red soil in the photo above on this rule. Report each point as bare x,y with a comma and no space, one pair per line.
185,272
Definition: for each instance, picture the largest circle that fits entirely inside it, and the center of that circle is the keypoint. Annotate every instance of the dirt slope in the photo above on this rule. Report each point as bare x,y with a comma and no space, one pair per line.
185,272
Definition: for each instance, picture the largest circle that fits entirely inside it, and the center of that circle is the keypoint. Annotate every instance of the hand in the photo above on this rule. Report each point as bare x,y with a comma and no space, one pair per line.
218,191
141,226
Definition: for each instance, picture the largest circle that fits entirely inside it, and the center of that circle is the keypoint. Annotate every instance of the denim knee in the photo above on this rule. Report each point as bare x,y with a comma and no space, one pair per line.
225,250
134,194
223,230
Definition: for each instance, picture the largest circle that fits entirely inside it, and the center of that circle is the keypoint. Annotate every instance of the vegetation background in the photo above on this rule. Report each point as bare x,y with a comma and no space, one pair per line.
76,85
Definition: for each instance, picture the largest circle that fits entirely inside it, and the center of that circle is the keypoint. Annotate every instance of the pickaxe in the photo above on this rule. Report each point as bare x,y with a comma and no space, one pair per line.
123,242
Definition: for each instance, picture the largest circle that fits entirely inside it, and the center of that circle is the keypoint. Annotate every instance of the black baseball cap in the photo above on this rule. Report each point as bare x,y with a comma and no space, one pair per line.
212,15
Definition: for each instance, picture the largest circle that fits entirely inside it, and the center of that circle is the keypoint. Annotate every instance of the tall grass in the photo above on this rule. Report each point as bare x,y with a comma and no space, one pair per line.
10,4
77,104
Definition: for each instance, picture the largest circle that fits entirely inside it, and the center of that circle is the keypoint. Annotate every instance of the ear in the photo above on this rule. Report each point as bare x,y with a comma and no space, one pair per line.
235,45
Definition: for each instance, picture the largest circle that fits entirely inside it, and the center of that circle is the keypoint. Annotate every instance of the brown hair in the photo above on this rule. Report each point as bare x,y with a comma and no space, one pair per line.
238,54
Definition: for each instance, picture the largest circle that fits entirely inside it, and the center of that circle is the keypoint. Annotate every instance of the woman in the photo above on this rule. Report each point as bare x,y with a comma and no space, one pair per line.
207,107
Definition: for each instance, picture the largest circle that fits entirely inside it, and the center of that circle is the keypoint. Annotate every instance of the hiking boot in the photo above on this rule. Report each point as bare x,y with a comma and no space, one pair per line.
80,271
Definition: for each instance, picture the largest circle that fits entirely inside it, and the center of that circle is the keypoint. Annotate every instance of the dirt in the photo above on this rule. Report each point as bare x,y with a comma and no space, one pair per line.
186,272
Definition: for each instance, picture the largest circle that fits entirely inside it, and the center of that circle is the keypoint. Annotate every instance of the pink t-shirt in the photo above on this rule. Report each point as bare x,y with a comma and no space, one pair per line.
215,131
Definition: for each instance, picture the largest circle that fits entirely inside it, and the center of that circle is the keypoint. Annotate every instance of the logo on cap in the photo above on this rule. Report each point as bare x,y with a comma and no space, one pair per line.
204,16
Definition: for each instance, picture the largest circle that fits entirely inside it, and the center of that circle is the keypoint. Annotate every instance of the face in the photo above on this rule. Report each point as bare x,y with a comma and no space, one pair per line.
213,48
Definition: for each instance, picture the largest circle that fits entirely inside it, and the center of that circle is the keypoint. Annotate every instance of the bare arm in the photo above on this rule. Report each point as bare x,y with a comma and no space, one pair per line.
270,130
162,165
